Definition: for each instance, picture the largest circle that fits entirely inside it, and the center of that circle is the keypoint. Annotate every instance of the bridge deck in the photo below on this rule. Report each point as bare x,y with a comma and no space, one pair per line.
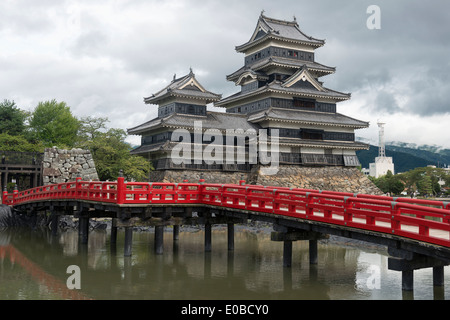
424,223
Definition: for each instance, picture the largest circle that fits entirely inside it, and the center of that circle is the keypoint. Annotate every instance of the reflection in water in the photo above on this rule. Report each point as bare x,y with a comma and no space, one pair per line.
252,271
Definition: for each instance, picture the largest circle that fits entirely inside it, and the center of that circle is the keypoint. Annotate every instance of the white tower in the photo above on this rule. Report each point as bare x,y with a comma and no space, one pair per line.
382,163
381,150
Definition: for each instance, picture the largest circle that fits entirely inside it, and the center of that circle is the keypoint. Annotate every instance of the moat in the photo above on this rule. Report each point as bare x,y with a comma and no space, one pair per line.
34,264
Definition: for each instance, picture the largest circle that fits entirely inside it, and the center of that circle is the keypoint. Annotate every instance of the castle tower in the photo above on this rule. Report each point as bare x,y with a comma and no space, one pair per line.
281,89
182,109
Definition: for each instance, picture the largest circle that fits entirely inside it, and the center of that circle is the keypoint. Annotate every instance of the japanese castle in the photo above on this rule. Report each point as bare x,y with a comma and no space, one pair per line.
281,91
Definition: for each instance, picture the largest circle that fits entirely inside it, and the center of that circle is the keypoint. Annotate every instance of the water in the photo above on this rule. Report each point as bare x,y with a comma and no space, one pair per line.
33,265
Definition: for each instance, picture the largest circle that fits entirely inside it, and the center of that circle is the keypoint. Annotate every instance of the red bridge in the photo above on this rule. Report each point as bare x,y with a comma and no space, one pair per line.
416,232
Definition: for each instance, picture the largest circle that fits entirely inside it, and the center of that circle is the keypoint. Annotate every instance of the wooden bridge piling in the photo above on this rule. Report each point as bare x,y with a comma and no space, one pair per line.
128,241
208,230
176,232
54,217
288,235
113,235
83,229
313,253
408,261
230,236
438,276
159,239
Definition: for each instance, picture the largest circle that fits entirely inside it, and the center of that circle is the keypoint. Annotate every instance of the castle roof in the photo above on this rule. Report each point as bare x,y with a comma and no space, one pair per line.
306,117
213,120
184,87
269,28
301,83
318,68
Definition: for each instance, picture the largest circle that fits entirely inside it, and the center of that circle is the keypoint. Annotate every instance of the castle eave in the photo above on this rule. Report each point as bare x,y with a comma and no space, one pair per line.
307,117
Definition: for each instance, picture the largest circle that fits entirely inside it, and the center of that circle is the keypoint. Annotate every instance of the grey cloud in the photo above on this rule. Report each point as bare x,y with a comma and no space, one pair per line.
430,91
90,43
385,101
148,41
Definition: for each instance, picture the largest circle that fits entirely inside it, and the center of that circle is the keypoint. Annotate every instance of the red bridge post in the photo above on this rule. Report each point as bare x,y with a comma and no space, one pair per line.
15,193
120,188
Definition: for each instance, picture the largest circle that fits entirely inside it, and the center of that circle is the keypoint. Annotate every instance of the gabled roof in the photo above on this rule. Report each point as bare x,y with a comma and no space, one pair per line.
186,87
269,28
293,86
307,117
302,74
249,73
213,120
257,68
297,142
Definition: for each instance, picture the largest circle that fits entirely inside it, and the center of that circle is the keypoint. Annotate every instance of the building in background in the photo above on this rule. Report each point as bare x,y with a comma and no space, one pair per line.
382,163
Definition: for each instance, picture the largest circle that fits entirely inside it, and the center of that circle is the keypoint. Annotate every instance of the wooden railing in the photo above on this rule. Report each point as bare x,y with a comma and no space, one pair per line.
423,220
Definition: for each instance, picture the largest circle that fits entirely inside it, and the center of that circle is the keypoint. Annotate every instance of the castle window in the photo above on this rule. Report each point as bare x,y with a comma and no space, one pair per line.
312,134
300,103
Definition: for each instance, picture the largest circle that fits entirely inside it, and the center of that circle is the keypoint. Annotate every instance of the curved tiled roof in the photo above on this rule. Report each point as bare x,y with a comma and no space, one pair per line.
307,117
186,87
213,120
278,29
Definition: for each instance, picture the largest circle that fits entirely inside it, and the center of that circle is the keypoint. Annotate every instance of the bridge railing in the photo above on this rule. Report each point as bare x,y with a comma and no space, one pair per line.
423,220
381,214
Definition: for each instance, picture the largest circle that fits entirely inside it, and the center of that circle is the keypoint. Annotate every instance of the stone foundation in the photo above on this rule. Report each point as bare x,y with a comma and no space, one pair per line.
343,179
60,165
193,176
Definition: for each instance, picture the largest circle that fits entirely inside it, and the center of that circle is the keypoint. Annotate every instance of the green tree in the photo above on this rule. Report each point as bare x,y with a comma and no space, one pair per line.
91,127
111,154
424,185
52,123
18,143
389,183
425,180
12,119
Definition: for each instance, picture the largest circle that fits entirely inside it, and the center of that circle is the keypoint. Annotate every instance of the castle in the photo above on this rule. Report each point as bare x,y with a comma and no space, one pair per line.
282,102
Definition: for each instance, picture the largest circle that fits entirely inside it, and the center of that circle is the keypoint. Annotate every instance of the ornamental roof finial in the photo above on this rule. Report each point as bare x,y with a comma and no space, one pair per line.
174,76
262,12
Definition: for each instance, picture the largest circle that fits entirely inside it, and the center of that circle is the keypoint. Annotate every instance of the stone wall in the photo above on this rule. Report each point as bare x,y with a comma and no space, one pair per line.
341,179
60,165
194,175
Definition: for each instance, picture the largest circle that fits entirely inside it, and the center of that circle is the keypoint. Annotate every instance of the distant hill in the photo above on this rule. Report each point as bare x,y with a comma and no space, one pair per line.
407,156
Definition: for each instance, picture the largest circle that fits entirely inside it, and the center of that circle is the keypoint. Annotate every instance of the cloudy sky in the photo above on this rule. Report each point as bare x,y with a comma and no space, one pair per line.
102,57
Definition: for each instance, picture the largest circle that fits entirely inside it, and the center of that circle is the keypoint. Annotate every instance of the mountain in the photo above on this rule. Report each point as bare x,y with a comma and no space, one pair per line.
407,156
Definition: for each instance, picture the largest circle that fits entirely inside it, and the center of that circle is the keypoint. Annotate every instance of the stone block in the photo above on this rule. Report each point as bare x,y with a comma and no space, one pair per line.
75,168
51,172
91,163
